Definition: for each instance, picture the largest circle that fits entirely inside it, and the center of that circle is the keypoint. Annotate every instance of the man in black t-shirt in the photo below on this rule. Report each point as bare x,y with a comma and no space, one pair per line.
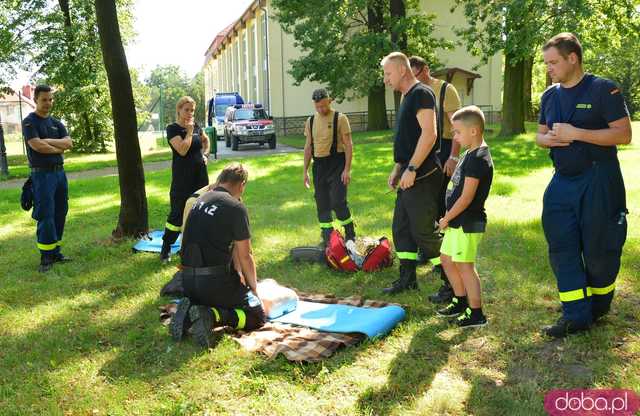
417,171
582,120
47,139
465,220
219,273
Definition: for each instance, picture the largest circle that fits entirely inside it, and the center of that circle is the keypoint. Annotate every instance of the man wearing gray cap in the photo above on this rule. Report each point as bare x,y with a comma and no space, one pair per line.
329,145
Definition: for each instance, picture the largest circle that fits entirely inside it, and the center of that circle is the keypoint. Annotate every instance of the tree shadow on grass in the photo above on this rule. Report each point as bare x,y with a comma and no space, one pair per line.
411,372
520,298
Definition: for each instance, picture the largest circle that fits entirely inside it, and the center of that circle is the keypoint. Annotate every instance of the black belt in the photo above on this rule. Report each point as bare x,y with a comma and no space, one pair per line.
213,271
54,168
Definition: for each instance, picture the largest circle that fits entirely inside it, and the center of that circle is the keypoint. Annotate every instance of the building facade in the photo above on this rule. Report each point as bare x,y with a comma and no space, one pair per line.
251,56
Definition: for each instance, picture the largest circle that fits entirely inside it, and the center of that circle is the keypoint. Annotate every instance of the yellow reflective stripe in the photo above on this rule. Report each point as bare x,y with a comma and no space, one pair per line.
405,255
435,261
172,227
242,319
603,290
326,225
344,259
345,222
572,295
59,243
216,314
47,247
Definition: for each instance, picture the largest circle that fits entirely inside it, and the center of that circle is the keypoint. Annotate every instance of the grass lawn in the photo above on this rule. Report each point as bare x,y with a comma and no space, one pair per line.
86,339
76,162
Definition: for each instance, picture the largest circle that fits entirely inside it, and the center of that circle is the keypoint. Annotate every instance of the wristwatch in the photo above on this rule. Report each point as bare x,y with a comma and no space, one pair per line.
411,168
454,158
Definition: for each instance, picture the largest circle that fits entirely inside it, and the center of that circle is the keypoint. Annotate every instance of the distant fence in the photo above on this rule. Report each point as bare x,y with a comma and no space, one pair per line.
359,120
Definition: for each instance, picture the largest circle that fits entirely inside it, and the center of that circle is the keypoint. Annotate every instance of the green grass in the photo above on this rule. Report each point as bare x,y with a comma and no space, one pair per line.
77,162
85,338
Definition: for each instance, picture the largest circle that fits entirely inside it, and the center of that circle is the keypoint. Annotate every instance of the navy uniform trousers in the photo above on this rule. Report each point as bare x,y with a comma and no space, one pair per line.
50,207
584,221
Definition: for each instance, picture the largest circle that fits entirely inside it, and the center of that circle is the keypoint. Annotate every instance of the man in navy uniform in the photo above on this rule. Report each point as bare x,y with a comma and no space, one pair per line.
47,139
582,120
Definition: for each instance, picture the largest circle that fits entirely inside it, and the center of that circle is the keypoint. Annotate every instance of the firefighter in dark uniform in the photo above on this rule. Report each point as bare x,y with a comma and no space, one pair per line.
447,103
329,145
582,120
190,148
219,273
417,171
47,139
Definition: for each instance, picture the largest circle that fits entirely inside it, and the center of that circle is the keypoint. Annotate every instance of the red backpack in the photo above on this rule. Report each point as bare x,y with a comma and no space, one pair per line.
338,256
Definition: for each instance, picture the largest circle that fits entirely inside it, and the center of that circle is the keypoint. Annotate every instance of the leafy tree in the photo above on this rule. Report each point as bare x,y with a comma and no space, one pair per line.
612,50
342,43
517,28
59,40
133,218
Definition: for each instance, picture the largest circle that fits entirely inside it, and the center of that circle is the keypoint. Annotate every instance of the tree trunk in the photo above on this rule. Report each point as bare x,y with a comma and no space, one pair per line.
133,219
513,103
377,105
398,38
528,75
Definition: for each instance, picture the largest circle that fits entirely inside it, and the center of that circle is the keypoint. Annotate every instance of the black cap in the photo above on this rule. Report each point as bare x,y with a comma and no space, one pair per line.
319,94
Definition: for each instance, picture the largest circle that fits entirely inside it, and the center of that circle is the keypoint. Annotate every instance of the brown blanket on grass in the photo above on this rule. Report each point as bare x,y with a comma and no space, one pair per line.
295,343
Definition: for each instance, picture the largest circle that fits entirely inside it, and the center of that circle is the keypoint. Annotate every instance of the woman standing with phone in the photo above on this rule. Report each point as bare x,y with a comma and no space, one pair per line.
190,147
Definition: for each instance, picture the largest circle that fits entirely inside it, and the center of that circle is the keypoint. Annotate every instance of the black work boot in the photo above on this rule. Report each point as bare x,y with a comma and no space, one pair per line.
61,258
181,321
445,292
564,327
203,322
325,233
443,295
165,252
46,262
350,232
407,278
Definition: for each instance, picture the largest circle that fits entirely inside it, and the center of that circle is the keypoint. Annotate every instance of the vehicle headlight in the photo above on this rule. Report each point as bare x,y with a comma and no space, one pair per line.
268,127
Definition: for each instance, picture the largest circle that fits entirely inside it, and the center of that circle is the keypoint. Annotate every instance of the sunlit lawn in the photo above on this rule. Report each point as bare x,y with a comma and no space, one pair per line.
86,339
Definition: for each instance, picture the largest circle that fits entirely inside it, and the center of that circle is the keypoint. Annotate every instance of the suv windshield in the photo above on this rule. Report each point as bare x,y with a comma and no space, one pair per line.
220,109
250,114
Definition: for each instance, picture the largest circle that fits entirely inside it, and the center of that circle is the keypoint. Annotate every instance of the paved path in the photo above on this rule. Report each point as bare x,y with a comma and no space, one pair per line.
245,151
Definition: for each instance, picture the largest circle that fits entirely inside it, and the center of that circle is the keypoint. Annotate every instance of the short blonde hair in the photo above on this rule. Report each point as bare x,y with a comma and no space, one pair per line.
470,115
181,102
233,173
398,58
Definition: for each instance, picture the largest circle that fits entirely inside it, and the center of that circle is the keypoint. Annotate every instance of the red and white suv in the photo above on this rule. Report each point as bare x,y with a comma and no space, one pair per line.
248,123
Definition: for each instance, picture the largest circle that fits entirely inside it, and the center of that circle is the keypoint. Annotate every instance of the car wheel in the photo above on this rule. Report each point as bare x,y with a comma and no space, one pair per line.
236,142
272,142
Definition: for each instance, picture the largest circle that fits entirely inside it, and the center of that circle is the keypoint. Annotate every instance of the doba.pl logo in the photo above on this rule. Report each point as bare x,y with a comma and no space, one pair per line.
591,402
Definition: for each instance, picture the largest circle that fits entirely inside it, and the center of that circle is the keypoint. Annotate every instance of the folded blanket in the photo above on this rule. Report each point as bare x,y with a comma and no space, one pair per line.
298,344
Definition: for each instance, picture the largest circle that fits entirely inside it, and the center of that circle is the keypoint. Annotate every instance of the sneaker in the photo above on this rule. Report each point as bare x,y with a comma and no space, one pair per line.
444,295
181,321
563,327
467,320
202,325
455,308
